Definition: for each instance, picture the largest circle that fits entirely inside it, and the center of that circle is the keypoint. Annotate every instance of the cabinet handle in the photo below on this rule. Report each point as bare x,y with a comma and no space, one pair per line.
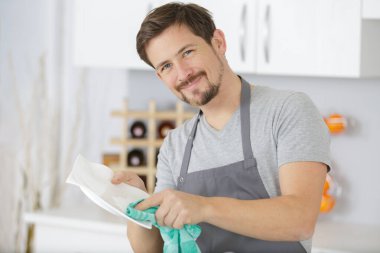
267,34
243,32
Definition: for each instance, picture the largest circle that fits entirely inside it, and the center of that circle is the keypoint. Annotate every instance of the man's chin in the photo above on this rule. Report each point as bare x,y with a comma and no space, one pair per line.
197,99
197,102
191,102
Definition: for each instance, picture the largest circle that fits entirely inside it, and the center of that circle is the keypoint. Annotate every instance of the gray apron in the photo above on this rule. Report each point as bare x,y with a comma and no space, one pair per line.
240,180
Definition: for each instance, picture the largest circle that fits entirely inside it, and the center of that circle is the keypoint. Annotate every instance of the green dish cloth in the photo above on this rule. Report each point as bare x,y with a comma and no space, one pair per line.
175,240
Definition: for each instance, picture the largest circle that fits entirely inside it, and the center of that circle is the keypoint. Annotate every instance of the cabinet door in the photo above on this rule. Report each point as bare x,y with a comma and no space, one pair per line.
237,19
309,37
105,32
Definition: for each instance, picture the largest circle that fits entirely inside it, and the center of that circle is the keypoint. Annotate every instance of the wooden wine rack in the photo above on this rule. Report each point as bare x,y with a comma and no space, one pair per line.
150,142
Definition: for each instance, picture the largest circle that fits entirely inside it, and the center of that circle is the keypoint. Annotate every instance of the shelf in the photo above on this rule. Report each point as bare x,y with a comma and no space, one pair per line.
164,115
139,170
137,142
150,143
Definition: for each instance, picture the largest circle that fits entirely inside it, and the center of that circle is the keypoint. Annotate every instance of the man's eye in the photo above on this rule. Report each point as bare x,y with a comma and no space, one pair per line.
165,67
187,52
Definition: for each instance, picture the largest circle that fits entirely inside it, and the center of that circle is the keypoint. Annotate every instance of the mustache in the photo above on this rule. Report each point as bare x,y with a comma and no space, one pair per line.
190,79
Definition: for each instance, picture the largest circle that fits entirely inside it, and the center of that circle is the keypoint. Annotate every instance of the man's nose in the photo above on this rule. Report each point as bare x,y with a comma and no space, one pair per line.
183,71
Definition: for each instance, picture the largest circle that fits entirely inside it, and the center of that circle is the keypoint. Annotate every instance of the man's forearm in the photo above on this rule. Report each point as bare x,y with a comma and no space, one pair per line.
289,217
144,240
277,219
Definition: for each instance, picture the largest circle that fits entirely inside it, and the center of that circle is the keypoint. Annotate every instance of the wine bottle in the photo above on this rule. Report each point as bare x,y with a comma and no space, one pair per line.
138,130
164,127
136,158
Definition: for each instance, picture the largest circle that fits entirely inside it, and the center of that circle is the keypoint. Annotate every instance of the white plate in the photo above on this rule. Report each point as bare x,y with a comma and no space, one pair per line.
95,182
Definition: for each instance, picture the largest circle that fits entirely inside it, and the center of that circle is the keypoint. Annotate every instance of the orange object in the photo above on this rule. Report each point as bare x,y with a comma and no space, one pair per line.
327,203
326,187
336,123
328,197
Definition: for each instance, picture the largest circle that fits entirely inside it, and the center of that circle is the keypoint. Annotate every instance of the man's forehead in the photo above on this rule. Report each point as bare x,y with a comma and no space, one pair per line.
169,42
173,34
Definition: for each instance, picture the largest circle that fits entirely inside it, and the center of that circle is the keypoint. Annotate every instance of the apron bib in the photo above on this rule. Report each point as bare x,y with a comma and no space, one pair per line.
240,180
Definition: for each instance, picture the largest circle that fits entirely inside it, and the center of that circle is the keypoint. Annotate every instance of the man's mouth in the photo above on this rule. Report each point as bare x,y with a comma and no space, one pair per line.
191,81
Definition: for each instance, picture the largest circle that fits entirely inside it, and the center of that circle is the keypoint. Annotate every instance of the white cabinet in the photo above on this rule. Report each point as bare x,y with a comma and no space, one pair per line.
371,9
105,32
331,38
286,37
316,38
237,19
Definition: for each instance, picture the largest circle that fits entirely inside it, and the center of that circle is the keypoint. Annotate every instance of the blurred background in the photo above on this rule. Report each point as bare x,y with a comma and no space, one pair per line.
66,65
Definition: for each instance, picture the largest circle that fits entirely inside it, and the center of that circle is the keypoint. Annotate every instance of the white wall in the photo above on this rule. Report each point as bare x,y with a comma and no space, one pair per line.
30,31
356,153
24,38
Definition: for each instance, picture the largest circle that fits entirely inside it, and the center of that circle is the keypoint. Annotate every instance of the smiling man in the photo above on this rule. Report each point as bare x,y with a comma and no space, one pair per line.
249,168
186,71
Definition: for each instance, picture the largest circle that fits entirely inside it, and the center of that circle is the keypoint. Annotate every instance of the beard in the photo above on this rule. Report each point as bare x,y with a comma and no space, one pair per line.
201,97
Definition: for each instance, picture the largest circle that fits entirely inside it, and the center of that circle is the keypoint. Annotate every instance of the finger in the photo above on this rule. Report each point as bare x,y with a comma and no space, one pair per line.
161,214
178,223
170,218
154,200
118,177
123,176
176,217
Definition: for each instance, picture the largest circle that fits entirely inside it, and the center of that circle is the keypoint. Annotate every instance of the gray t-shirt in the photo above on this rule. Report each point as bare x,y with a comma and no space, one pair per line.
285,127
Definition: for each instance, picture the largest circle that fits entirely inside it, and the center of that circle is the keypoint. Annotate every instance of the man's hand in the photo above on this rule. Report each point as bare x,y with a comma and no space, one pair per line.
176,208
141,239
128,178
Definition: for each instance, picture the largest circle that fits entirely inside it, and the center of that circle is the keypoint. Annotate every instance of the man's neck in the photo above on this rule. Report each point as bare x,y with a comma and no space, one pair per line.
220,109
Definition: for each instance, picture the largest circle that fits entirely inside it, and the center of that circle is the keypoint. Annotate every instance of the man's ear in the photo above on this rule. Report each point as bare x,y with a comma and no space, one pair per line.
219,41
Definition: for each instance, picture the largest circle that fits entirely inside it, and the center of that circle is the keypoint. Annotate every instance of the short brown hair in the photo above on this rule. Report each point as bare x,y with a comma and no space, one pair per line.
195,17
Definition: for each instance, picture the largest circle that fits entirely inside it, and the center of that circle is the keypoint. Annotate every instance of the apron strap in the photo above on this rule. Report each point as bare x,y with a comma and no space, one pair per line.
245,118
187,153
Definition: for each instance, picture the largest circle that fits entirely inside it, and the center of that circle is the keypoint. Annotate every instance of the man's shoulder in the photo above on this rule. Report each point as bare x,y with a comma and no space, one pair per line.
265,96
270,101
265,92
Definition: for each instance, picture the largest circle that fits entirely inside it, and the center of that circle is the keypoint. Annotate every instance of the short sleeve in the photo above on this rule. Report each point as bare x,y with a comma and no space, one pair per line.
301,132
164,173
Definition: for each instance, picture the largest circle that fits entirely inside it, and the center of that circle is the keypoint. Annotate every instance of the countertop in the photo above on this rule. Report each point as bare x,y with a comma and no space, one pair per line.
329,236
87,216
337,237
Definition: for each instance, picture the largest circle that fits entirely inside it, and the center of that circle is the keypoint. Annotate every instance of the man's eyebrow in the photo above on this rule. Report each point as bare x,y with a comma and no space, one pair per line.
178,52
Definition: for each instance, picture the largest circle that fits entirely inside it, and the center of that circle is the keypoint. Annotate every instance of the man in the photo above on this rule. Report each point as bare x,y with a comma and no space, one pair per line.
249,168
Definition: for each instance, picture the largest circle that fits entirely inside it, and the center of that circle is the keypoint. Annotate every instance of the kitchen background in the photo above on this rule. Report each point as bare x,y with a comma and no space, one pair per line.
58,90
